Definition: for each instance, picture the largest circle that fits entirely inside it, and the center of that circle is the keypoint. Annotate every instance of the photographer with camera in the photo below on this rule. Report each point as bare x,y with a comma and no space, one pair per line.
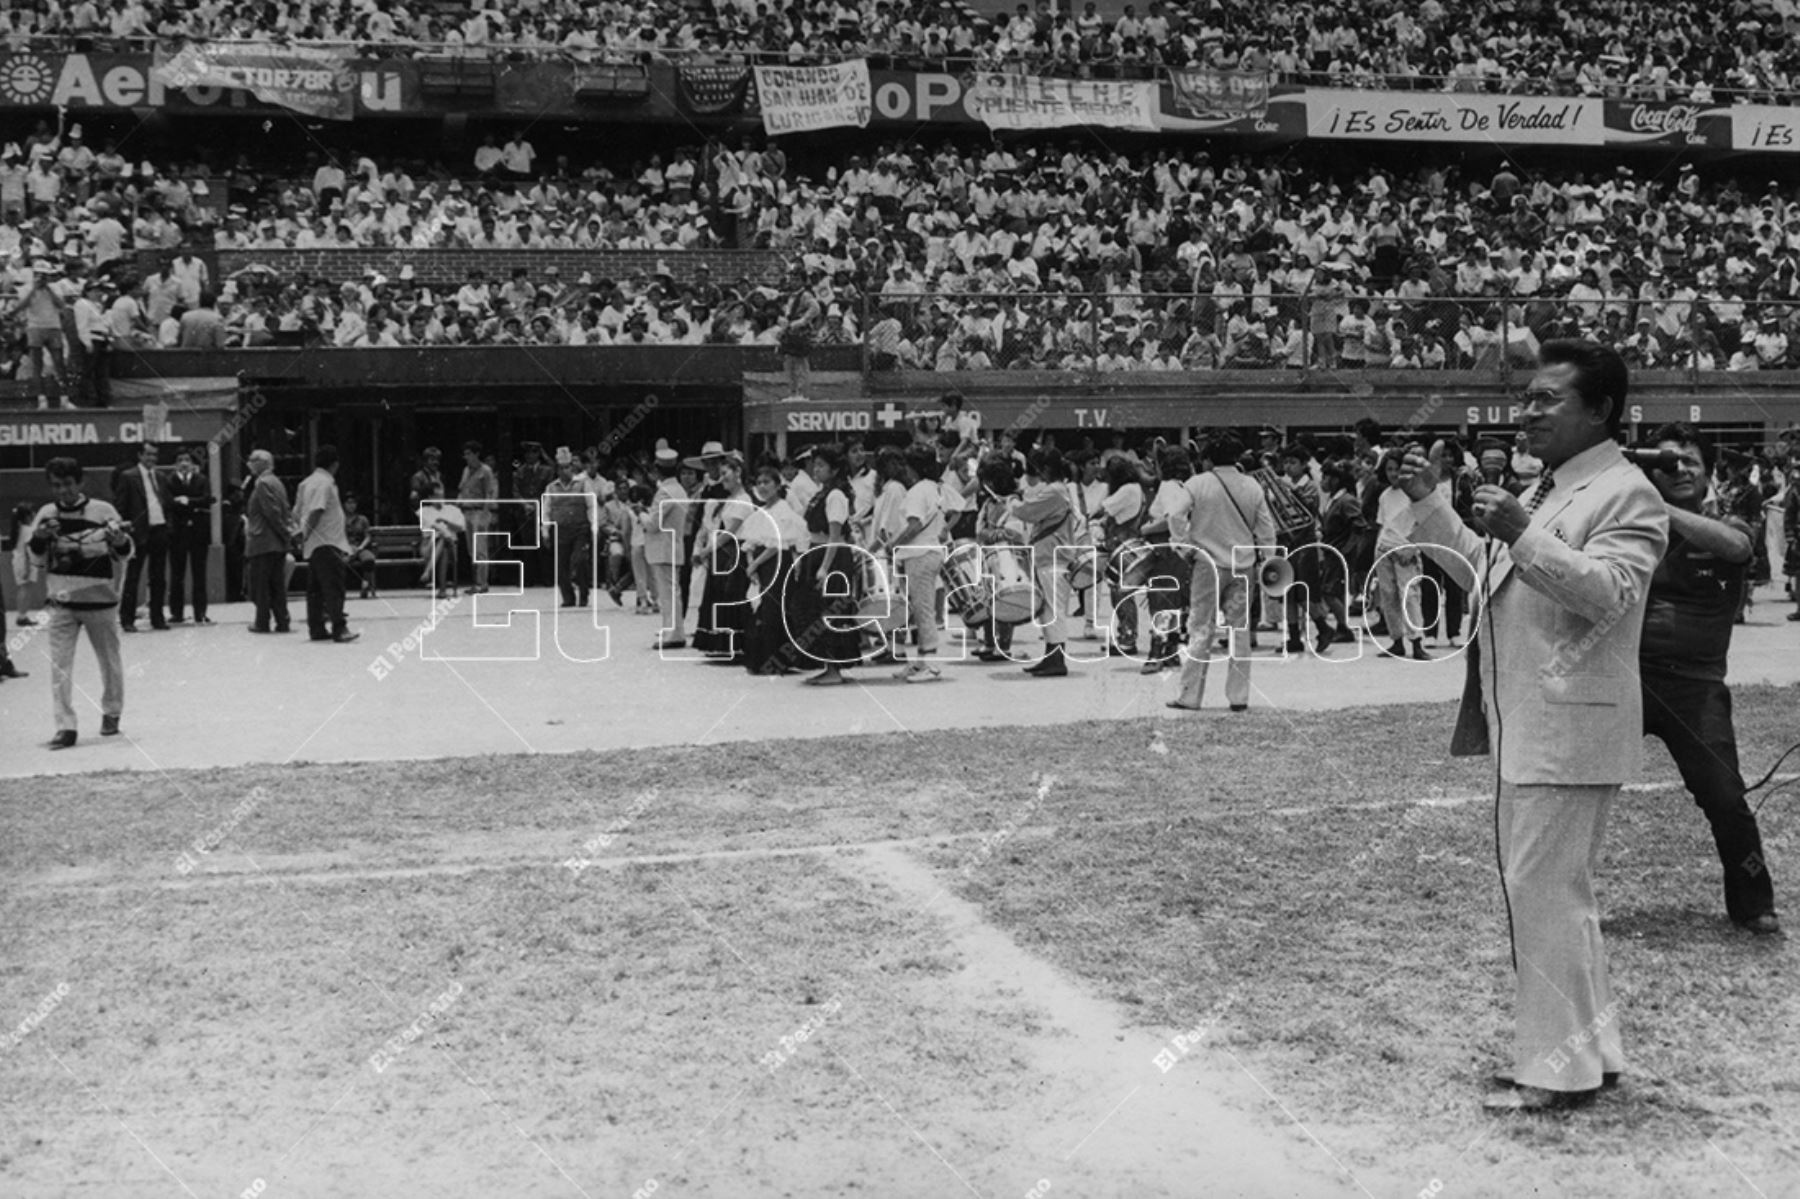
82,546
1694,598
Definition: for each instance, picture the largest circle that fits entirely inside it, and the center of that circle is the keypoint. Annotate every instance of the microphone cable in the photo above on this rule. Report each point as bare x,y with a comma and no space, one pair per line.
1764,780
1487,616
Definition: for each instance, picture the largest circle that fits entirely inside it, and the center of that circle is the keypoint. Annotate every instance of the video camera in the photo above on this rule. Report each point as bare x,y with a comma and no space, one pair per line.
1652,458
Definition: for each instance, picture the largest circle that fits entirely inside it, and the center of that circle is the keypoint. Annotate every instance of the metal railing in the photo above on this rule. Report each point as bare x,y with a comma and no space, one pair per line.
1313,334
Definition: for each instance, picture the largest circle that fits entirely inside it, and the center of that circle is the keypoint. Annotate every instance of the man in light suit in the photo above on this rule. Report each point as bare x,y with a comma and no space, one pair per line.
663,551
1554,690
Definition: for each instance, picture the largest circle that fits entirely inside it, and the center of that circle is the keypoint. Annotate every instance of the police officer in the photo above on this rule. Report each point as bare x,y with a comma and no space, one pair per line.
1694,597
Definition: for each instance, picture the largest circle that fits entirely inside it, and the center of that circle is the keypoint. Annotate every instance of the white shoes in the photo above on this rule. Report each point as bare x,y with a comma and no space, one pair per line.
919,672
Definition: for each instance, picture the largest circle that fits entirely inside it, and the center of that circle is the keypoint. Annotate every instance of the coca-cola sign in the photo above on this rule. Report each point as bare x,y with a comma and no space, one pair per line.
1676,118
1644,122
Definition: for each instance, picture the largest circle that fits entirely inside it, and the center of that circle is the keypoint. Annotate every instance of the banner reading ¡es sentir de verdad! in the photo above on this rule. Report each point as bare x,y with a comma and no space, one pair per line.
797,99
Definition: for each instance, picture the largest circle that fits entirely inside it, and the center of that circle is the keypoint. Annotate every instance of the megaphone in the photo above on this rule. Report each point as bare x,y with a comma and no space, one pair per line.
1276,577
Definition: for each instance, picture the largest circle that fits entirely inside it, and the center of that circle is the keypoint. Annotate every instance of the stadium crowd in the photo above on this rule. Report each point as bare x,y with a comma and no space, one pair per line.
1685,51
1032,256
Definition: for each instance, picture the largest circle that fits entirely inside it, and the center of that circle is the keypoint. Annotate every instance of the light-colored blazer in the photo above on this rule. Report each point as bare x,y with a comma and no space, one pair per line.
1558,642
667,525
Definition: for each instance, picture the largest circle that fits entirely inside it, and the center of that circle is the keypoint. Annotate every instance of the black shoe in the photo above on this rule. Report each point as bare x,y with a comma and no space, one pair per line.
282,628
1765,925
1323,645
346,637
161,626
1504,1078
1535,1099
1296,647
10,671
1395,650
254,629
990,655
203,620
175,620
318,636
1419,654
63,740
1240,707
109,726
1343,637
1050,666
128,628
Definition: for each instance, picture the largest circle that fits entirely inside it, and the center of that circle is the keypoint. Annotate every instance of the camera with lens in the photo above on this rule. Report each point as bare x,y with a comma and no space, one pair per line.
1653,458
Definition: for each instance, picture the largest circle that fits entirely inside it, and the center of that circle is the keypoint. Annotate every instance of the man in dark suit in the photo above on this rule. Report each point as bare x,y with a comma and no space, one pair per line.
268,537
142,498
190,536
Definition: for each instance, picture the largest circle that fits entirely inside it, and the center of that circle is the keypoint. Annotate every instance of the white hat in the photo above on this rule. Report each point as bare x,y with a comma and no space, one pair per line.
664,455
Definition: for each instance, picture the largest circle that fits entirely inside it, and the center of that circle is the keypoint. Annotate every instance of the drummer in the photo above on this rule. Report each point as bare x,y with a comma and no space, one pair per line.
1120,513
822,570
1167,572
997,483
918,550
1050,525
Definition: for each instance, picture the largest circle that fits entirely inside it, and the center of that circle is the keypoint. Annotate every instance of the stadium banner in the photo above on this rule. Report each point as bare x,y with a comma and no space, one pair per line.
714,90
309,80
1002,101
1765,128
798,99
1650,123
1205,92
1455,117
30,80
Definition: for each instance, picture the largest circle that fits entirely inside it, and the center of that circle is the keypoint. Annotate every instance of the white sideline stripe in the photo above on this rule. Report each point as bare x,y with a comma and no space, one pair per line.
320,868
1457,801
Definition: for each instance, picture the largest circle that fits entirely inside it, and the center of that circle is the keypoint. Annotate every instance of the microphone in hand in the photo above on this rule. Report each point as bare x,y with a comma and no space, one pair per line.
1418,475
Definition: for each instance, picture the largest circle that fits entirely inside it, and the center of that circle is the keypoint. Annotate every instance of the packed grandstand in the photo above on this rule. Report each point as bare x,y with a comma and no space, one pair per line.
1679,51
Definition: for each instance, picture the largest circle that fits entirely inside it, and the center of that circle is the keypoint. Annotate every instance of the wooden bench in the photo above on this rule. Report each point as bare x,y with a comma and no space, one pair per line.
393,545
397,545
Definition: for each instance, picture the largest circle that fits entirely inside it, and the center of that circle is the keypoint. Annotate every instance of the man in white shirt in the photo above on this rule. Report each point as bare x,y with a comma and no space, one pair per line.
518,157
93,334
1226,520
488,156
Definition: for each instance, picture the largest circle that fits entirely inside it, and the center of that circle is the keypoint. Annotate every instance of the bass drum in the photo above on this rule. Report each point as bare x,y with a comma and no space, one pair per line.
1084,561
1129,565
882,610
1015,598
968,591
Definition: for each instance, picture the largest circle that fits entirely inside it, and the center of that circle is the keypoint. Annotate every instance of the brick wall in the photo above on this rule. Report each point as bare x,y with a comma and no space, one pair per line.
441,268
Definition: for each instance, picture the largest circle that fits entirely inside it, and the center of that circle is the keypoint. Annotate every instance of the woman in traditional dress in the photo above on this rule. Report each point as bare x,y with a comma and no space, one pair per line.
724,614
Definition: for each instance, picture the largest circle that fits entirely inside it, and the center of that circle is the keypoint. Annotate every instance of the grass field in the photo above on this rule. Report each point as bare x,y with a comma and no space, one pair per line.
576,974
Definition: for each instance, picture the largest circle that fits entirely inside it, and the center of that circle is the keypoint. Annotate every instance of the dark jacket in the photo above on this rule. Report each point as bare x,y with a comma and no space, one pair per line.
268,516
134,505
193,517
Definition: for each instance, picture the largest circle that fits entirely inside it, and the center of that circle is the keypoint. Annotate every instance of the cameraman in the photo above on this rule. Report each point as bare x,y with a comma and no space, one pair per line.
82,546
1694,597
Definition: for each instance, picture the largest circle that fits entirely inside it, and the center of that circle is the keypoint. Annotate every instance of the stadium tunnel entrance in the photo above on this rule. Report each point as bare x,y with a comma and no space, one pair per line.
381,433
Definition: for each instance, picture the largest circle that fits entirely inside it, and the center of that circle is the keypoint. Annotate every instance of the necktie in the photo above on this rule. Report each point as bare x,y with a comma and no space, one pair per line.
1546,481
1471,734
